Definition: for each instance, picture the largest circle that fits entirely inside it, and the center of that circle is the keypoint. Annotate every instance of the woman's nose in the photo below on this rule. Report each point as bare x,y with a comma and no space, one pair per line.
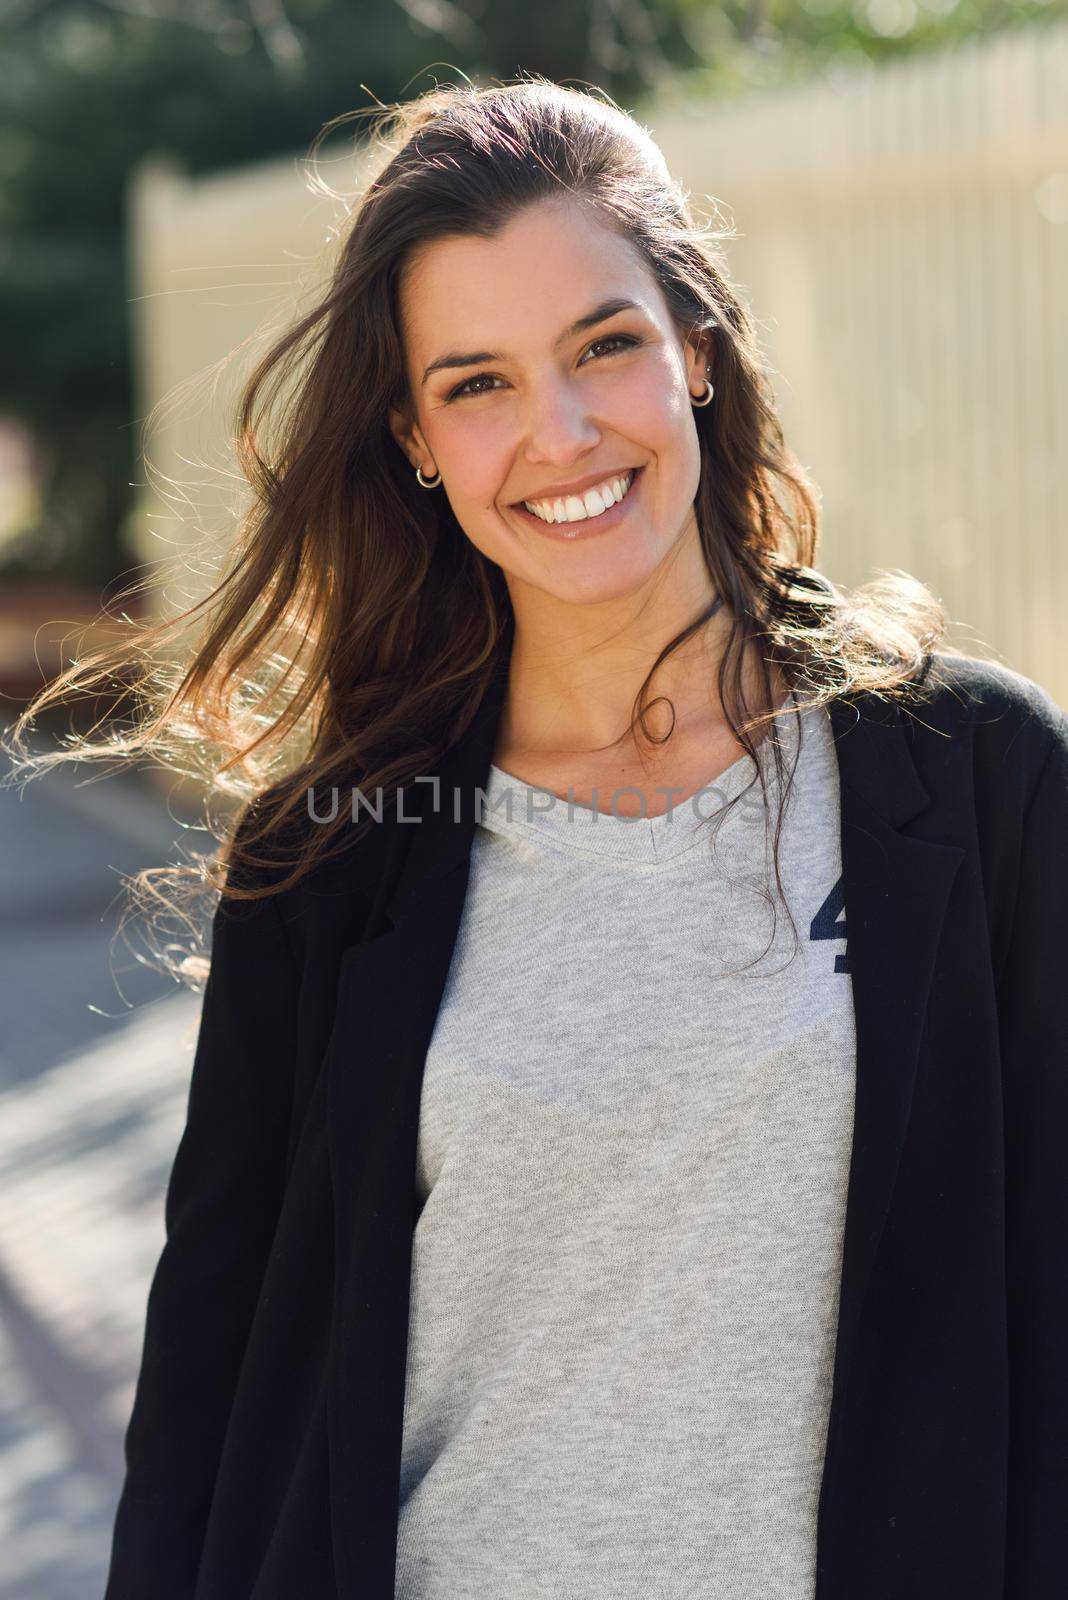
558,424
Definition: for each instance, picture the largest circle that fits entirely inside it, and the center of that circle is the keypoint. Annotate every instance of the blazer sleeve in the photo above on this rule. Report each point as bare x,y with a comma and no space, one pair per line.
1033,1021
222,1203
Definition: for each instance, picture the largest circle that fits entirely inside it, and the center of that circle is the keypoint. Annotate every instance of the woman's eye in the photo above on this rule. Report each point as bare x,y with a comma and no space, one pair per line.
622,341
465,387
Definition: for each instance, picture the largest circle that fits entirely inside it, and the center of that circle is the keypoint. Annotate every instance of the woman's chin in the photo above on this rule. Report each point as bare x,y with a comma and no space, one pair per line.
600,579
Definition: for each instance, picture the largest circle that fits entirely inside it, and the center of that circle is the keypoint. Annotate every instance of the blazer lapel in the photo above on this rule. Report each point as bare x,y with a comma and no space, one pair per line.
896,887
390,988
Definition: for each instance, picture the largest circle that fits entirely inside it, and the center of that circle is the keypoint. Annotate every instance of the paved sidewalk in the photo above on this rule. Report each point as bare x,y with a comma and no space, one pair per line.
95,1056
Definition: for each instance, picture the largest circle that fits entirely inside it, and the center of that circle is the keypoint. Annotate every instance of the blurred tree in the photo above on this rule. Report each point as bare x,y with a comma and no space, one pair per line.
89,88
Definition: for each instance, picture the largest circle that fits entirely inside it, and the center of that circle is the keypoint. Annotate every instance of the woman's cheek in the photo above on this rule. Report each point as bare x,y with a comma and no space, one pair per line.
481,454
645,411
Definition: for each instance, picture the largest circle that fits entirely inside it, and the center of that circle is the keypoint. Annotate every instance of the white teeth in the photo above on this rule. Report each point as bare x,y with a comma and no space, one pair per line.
577,508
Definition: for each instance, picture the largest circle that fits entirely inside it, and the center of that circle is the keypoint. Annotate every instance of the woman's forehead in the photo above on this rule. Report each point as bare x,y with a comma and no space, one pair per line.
538,275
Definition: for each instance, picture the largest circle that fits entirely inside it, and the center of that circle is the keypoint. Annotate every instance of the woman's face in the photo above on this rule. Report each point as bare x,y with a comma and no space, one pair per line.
515,401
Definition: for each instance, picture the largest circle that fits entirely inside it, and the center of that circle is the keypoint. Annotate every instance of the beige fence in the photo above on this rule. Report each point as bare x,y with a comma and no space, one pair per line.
903,242
904,245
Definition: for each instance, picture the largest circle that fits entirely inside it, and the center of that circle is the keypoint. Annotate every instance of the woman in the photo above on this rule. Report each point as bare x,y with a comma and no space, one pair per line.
546,1220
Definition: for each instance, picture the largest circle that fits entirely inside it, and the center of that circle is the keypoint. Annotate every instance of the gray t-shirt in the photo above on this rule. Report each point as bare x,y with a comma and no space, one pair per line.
634,1141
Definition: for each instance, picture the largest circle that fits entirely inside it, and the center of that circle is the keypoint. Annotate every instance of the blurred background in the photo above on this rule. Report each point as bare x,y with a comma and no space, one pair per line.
897,173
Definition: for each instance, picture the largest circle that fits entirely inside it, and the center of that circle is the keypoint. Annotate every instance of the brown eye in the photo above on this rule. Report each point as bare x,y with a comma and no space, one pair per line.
620,340
462,388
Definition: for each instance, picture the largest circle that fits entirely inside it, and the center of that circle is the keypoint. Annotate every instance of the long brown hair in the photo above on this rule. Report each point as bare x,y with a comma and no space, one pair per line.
355,627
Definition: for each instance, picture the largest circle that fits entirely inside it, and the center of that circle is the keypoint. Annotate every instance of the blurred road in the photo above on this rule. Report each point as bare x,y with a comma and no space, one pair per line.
95,1055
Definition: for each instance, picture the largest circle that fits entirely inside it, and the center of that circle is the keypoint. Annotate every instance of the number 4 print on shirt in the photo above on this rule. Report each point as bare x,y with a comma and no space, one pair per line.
830,923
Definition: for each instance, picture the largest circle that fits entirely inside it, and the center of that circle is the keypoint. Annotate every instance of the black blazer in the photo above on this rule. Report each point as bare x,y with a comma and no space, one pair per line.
263,1450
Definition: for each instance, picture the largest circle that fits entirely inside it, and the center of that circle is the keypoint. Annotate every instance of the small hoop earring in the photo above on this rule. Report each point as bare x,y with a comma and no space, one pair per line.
709,392
427,483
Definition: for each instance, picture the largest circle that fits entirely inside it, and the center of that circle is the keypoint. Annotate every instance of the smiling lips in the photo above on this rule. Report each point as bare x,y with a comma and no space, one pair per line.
582,507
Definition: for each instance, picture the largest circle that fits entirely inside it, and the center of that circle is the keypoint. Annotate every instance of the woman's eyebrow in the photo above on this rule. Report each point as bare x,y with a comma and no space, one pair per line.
601,313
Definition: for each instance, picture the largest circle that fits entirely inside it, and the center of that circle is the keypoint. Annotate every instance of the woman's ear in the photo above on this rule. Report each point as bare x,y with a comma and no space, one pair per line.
400,428
407,436
699,360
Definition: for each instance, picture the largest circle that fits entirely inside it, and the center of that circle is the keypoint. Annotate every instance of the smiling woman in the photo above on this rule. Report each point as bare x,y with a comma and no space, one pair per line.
543,1222
527,319
557,411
